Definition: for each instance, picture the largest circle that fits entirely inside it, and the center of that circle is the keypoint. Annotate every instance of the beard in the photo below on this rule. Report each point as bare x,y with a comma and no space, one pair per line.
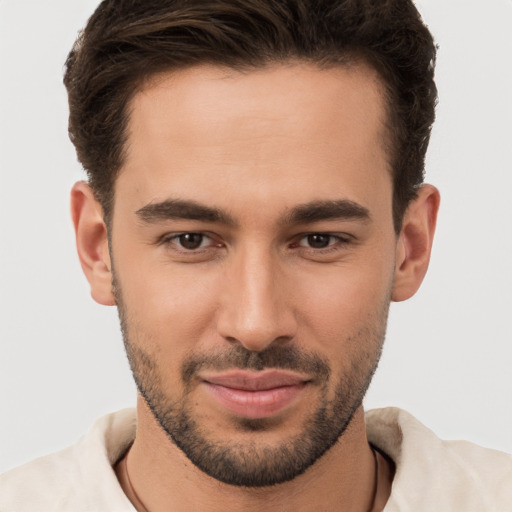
254,463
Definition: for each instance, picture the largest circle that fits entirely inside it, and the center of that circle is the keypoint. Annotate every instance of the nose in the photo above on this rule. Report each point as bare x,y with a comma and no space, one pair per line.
256,308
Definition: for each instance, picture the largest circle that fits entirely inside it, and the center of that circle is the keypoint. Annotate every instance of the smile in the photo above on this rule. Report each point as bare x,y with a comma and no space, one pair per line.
255,394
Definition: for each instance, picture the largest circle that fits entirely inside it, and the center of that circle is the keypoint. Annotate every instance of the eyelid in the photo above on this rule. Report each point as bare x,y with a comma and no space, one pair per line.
339,241
169,238
343,238
328,235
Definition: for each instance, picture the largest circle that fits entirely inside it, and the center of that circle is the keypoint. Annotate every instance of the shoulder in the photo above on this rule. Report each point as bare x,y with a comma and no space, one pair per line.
434,474
31,486
78,478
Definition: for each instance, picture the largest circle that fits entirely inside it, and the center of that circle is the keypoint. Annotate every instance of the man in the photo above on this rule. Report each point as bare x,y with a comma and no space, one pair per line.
255,201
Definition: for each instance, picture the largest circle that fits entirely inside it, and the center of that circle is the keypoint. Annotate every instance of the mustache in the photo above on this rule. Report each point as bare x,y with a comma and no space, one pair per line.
275,357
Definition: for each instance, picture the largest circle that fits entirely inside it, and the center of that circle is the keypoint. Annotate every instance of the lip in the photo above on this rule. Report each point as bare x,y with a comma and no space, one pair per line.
255,394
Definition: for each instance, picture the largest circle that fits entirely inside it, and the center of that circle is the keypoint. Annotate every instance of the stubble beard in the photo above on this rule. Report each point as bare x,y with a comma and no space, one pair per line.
254,463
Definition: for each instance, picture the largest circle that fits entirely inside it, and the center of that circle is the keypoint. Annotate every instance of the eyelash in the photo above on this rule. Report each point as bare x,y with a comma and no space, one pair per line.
170,240
339,241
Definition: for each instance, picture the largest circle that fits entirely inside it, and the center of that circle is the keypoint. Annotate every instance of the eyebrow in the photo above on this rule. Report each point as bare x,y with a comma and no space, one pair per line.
181,209
315,211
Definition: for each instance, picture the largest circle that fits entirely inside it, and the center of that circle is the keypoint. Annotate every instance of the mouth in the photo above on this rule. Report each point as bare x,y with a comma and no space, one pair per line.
255,395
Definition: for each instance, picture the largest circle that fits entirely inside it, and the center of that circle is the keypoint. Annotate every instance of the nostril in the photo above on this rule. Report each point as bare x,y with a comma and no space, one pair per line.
258,342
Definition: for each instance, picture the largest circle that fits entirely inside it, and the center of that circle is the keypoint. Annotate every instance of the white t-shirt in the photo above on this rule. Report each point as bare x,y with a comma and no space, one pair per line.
431,475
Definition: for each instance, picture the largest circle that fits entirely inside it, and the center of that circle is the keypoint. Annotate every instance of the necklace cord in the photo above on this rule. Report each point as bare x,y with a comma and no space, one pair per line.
138,502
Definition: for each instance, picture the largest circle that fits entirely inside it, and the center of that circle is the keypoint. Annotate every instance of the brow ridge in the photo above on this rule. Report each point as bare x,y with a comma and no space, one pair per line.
317,211
314,211
182,209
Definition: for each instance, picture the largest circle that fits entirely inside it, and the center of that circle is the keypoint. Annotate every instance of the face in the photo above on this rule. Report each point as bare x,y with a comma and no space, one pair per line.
254,253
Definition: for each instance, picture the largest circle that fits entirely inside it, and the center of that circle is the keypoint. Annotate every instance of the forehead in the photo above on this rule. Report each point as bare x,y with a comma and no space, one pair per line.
282,131
303,96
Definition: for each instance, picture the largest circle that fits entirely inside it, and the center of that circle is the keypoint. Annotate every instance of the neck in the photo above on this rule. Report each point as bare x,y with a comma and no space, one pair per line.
343,479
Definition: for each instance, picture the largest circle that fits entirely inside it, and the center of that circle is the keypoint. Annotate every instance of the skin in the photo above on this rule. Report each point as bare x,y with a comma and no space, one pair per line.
256,146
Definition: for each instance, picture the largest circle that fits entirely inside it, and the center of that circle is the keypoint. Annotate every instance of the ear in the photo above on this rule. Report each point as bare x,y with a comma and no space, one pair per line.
415,243
92,242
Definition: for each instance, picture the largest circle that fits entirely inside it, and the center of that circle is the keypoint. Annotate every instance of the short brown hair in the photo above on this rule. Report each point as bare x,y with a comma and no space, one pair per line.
127,41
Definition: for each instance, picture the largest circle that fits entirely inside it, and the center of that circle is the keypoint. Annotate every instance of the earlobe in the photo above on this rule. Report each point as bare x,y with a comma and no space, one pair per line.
415,243
92,242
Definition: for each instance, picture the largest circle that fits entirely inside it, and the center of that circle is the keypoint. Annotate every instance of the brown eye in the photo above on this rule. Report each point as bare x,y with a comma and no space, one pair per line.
319,241
191,241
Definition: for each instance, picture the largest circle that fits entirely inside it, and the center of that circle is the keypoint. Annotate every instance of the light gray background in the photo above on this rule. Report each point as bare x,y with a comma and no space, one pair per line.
448,356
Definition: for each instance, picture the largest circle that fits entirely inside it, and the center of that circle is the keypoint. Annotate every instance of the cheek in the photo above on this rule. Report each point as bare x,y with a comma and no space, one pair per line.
168,309
346,304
